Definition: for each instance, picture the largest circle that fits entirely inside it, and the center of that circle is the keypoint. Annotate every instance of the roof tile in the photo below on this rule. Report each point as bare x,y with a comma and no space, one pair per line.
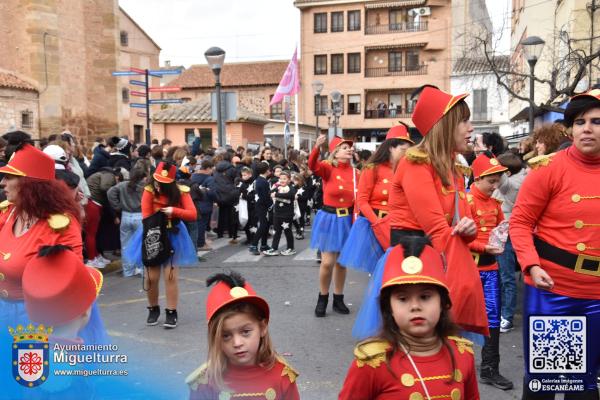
9,80
200,111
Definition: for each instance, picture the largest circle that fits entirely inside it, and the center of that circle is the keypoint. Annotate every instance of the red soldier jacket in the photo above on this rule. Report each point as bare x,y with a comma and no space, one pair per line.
151,203
15,252
338,181
373,375
487,214
558,203
374,189
251,383
419,200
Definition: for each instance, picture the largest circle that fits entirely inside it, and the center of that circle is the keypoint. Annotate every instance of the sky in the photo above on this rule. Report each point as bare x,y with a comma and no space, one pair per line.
248,30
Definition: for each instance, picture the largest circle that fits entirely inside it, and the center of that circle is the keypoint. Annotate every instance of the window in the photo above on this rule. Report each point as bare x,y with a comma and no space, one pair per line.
320,23
276,110
320,105
480,105
189,136
394,61
205,137
125,95
354,20
321,65
124,38
337,63
401,20
26,119
410,104
412,60
337,21
354,104
138,131
353,63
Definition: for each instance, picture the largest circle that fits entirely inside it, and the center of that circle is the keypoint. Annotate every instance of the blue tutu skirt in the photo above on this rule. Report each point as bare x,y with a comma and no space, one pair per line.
361,250
329,232
13,313
184,250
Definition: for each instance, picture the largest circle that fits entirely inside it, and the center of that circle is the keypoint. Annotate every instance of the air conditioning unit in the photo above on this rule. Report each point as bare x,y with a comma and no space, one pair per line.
423,11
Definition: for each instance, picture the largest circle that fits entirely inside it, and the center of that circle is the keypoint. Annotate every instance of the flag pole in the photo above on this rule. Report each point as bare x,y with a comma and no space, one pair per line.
297,131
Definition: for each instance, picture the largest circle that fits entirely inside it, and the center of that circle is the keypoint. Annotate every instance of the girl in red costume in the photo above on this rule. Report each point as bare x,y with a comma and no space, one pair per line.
414,356
242,362
333,221
362,250
428,198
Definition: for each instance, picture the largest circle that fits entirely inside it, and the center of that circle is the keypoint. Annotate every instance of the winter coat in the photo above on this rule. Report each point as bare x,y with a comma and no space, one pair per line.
205,184
99,160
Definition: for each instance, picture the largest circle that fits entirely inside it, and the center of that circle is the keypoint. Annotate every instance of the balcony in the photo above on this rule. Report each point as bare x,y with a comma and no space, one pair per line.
395,28
397,113
403,71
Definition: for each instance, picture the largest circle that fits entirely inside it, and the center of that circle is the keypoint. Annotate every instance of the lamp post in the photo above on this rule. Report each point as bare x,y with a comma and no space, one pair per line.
532,47
336,96
317,89
215,57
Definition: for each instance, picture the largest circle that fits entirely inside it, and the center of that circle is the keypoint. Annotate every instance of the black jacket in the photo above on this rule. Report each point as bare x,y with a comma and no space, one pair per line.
284,202
119,160
99,160
263,190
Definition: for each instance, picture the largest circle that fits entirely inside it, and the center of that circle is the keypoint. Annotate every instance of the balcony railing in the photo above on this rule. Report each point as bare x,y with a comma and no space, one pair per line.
397,113
395,28
403,71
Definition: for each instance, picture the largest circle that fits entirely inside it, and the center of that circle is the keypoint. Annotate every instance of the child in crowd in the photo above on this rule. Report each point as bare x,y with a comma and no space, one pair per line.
242,362
414,356
263,203
276,172
302,196
283,196
247,193
310,192
487,213
203,185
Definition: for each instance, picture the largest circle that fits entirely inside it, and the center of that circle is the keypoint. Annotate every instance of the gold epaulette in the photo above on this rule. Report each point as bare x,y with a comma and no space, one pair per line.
4,205
466,171
288,371
371,353
149,188
198,377
462,344
326,162
498,200
184,188
469,198
417,156
369,166
540,161
58,222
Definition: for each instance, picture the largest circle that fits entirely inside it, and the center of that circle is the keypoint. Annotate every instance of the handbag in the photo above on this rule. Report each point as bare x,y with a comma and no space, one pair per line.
243,212
156,246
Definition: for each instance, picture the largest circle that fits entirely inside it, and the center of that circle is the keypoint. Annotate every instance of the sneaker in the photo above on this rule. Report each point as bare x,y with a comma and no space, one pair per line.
506,326
233,241
271,252
288,252
491,376
153,314
205,248
96,263
299,236
103,260
170,319
138,271
254,250
264,248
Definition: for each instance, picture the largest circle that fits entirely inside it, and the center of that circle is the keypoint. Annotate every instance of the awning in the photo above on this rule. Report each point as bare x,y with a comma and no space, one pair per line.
523,115
392,4
396,46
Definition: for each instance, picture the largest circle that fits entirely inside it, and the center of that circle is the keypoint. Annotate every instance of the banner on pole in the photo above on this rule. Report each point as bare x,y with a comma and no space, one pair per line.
290,83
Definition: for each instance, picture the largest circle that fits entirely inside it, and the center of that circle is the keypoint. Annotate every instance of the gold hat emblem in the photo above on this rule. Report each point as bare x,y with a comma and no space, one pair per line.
412,265
238,292
493,161
164,172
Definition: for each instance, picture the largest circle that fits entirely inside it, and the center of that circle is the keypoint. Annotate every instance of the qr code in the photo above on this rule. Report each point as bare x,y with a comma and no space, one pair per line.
557,344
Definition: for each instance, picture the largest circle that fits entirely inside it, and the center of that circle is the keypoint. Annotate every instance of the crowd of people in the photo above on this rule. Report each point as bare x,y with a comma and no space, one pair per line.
441,225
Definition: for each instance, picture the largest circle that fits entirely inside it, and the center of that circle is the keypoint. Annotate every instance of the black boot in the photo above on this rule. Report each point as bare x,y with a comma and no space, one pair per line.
338,304
153,314
490,361
321,305
170,319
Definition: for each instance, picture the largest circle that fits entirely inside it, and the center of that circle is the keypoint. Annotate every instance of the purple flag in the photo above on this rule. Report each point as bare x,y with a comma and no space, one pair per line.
290,83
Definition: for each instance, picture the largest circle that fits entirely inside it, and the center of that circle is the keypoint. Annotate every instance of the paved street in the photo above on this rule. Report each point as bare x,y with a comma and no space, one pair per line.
320,349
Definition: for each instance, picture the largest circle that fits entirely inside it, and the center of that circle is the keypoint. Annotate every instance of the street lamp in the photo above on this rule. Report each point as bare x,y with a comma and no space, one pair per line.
532,47
317,89
336,96
215,57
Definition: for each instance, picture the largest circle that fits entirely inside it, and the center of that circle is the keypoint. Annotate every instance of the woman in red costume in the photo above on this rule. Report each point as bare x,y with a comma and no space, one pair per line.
333,221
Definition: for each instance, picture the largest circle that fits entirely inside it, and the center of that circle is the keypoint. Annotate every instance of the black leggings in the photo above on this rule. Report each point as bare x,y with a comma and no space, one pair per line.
278,226
262,233
228,221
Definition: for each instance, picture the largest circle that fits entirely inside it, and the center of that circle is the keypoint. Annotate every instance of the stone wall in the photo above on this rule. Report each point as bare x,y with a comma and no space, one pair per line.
12,103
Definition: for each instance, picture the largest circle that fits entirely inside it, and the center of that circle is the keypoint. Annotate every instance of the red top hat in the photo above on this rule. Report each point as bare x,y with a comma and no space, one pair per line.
427,268
432,105
594,93
223,294
399,132
31,162
165,176
484,165
58,287
338,141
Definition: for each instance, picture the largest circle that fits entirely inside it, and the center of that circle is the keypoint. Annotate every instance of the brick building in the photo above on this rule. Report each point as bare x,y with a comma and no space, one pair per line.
375,53
19,106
